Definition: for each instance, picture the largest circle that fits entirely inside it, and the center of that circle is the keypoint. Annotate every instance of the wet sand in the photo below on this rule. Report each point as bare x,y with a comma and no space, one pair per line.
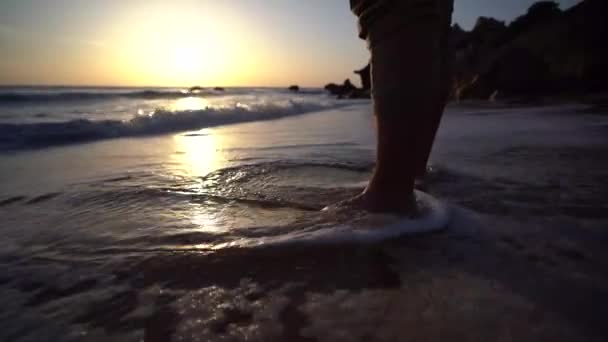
473,282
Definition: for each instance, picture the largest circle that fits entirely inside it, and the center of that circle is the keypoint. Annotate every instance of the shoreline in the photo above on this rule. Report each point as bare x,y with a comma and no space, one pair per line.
103,243
471,283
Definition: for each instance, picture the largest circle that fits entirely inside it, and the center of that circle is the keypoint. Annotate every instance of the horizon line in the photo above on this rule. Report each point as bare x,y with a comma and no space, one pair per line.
137,86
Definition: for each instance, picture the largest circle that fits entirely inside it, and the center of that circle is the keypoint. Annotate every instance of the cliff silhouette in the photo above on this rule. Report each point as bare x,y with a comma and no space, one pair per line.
546,51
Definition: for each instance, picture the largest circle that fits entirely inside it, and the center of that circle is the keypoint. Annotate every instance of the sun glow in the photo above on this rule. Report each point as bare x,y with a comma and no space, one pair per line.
181,47
179,59
188,59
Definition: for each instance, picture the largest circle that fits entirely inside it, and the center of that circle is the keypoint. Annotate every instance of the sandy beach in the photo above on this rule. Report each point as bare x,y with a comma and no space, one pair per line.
150,237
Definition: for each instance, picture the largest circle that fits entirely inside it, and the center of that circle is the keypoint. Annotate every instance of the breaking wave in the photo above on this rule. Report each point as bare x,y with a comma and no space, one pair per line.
38,135
54,95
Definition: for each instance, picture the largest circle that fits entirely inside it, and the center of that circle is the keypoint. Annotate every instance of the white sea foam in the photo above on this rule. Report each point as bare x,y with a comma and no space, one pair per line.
372,228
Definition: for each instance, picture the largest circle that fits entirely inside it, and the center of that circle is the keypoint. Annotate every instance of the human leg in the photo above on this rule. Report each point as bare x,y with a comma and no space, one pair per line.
406,45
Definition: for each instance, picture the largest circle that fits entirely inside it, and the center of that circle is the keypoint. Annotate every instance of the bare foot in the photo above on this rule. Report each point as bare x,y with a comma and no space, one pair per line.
368,201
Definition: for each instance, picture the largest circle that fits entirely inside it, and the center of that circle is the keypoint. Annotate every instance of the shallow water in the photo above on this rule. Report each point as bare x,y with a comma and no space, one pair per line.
90,230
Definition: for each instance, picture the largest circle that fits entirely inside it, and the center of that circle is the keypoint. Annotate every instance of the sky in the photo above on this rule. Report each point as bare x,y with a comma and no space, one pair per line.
193,42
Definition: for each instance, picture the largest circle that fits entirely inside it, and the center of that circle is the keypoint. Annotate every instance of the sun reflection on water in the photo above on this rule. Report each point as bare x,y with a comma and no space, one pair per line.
190,103
198,153
207,219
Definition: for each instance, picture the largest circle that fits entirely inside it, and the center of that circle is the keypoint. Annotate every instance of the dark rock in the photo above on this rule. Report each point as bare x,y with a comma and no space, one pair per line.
517,72
195,90
219,89
345,90
294,88
366,77
333,88
546,51
350,91
359,94
488,32
538,14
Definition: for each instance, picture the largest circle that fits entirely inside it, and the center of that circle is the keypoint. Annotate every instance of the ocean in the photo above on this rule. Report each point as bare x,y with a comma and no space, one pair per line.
129,214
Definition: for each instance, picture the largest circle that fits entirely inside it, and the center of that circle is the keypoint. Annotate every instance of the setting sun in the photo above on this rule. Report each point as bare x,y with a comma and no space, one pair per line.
188,60
187,48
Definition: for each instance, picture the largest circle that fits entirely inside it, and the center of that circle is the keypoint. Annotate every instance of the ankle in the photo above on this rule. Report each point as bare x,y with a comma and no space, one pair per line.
379,202
398,184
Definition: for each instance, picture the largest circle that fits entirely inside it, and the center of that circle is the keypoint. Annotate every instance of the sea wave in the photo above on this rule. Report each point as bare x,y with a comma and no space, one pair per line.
18,96
36,97
39,135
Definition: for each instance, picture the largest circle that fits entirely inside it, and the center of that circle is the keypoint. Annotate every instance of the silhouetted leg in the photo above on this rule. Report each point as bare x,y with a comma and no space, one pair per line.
405,40
445,85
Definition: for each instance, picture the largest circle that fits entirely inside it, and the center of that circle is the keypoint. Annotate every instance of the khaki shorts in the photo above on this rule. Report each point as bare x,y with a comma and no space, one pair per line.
381,18
414,64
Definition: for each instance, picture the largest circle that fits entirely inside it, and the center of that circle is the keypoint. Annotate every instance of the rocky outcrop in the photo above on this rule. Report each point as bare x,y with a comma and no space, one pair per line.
294,88
518,72
546,51
366,78
347,90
